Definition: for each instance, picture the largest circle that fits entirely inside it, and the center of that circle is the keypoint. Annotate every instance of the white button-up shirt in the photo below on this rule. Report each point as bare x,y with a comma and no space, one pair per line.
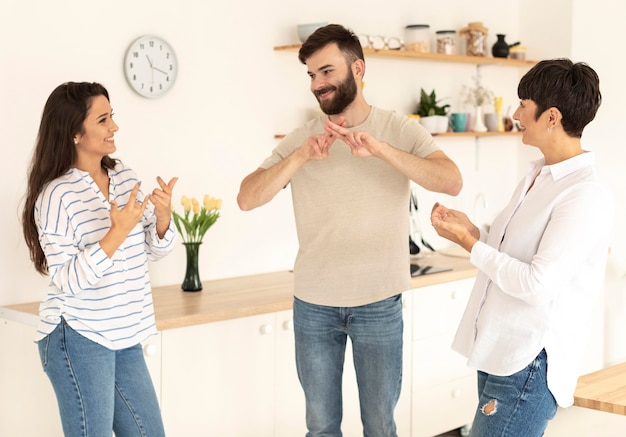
542,270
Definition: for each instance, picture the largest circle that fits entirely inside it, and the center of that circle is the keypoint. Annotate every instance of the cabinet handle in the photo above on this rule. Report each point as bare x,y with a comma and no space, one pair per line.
454,295
456,393
266,329
150,350
288,325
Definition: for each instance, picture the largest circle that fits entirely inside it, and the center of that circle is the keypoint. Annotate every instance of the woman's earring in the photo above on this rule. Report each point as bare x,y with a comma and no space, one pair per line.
550,130
75,142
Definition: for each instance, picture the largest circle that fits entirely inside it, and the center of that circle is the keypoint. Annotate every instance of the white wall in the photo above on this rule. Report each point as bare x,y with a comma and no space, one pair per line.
594,25
234,93
216,125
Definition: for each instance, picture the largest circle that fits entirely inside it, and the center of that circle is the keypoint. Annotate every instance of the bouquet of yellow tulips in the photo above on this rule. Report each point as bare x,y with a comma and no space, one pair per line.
193,227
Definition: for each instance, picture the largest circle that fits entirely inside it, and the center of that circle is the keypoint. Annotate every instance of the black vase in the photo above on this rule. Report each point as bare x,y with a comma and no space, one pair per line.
500,49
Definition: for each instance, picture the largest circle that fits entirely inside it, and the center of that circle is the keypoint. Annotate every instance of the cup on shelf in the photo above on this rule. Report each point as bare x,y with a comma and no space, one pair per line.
491,121
458,121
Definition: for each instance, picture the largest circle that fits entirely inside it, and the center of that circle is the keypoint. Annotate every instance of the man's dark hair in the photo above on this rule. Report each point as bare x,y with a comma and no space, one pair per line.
572,88
347,42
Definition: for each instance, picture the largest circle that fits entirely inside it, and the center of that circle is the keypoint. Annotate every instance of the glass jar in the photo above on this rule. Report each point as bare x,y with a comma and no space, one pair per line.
517,52
446,42
475,39
417,38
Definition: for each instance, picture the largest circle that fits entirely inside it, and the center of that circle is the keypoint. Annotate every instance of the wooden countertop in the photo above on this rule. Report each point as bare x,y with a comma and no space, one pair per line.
604,390
230,298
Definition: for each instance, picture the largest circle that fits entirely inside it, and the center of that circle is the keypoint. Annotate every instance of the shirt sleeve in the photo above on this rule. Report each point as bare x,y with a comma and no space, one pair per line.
71,269
575,232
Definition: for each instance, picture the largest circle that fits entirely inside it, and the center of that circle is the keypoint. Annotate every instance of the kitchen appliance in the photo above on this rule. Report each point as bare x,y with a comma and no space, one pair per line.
422,269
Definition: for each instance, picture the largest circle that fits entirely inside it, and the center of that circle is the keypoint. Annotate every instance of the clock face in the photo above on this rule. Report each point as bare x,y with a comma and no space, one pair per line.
150,66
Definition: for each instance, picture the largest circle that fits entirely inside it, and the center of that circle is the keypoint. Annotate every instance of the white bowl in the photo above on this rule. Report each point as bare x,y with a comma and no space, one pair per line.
305,30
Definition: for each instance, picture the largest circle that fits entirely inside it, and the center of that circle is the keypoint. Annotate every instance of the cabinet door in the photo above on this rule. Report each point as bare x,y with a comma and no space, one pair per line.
289,416
444,407
218,378
28,406
444,388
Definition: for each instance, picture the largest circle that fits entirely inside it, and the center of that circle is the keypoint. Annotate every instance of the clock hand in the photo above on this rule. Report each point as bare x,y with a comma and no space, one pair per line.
149,61
159,70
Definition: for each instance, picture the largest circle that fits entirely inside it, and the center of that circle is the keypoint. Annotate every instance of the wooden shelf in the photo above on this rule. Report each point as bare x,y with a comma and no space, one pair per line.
476,134
454,134
432,57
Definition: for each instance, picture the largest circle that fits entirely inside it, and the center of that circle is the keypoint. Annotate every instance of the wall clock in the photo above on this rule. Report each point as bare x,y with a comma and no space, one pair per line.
150,66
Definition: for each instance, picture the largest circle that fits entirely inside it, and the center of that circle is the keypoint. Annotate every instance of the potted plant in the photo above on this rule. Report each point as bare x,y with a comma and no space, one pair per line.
433,115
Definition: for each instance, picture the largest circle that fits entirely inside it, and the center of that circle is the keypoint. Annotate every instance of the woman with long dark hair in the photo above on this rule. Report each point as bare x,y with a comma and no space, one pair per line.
90,228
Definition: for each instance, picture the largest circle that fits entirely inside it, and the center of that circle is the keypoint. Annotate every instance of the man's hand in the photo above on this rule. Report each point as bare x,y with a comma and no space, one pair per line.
361,143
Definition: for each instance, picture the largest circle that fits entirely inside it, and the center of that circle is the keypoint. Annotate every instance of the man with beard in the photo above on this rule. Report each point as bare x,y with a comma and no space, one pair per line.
350,173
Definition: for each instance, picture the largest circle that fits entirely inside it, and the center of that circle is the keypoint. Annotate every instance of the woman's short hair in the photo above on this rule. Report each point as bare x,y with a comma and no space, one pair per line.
572,88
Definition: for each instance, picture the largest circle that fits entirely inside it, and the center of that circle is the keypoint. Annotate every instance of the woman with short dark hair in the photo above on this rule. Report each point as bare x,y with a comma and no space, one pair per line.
541,264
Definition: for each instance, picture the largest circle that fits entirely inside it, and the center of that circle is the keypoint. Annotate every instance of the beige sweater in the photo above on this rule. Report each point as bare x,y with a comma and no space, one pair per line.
352,214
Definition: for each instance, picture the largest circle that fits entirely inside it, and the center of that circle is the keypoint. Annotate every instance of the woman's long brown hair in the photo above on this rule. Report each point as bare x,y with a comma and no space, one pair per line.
55,152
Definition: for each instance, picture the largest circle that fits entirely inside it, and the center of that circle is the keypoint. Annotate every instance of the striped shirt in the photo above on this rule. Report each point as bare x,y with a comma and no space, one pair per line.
107,300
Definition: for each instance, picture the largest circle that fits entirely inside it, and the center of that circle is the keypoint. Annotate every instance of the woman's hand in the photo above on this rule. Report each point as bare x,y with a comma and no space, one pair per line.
123,220
161,198
454,226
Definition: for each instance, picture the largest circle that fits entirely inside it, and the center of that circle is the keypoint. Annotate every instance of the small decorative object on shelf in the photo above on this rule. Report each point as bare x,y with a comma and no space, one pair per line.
433,115
475,38
497,104
501,48
192,229
477,96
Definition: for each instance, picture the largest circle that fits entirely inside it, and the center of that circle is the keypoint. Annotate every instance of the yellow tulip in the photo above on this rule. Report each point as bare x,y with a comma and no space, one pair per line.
196,205
186,203
192,229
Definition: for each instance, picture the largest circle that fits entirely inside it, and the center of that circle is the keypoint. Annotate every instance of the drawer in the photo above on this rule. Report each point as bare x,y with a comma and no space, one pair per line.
438,308
434,363
443,408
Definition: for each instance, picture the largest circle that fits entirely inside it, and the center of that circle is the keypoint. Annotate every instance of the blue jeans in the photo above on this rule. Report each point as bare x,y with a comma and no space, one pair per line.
100,391
376,333
519,405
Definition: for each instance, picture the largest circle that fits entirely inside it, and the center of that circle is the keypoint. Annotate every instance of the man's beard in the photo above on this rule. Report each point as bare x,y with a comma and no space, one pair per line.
345,94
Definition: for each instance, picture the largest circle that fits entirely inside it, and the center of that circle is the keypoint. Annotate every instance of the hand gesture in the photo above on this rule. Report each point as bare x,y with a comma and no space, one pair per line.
162,199
317,146
123,220
454,226
361,143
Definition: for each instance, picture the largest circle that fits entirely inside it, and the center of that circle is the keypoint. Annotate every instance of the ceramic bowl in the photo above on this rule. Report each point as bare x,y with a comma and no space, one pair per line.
305,30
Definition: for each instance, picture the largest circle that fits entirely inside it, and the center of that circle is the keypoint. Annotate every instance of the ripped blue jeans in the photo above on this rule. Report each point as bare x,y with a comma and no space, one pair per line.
518,405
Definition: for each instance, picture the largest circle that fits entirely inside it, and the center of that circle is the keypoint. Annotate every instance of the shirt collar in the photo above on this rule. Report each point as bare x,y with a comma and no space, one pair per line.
567,167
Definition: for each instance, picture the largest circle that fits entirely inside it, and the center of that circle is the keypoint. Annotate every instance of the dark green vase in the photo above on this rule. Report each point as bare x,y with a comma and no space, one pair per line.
192,275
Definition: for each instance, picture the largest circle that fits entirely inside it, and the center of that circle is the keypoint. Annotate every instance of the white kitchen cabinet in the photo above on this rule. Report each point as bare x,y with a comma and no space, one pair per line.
444,388
29,408
289,414
217,379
